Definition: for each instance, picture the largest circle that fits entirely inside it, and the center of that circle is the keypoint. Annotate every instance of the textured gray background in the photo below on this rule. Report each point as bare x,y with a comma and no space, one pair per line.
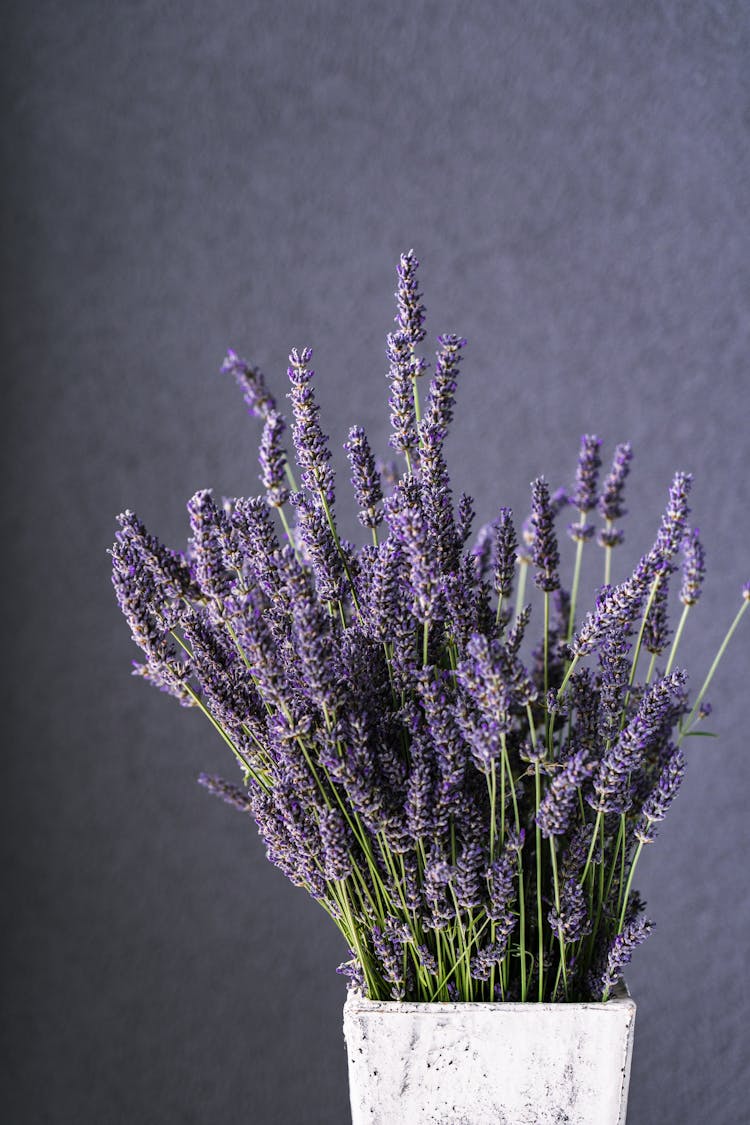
182,177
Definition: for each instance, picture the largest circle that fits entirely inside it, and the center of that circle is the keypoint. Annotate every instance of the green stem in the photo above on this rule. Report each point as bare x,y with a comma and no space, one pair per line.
628,885
539,905
556,884
608,558
546,643
652,594
592,848
457,961
677,637
523,569
714,666
574,587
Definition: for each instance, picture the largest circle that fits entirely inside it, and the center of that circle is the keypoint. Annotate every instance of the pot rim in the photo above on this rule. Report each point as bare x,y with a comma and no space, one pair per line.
619,1000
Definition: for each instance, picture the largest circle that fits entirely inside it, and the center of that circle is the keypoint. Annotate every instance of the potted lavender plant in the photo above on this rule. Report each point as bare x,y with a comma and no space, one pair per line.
468,804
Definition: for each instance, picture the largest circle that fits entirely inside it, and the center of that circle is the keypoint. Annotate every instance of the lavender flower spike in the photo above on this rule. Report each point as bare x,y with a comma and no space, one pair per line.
693,568
310,442
584,497
411,311
365,478
657,804
273,460
674,521
252,383
544,546
618,955
610,503
439,413
401,372
617,608
558,804
233,795
506,545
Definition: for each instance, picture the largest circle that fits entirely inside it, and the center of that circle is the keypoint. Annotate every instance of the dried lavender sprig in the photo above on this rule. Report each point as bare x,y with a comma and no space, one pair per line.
617,955
365,478
505,548
693,567
401,373
310,443
674,521
584,497
273,460
252,383
656,630
659,801
209,527
544,548
557,807
617,607
411,312
440,404
610,502
232,794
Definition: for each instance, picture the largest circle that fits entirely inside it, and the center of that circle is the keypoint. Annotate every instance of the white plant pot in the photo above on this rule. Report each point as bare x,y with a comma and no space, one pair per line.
476,1064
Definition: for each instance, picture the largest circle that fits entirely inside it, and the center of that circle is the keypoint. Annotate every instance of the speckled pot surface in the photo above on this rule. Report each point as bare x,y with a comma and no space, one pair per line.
489,1064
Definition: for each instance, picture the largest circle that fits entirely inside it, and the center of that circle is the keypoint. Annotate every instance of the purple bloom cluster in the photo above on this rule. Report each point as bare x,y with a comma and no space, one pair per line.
453,791
585,496
610,502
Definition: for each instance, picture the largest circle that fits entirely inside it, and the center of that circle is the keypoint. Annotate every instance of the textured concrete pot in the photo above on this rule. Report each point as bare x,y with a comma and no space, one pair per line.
489,1064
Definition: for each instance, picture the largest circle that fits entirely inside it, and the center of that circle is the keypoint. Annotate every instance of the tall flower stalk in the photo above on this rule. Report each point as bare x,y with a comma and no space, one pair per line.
467,802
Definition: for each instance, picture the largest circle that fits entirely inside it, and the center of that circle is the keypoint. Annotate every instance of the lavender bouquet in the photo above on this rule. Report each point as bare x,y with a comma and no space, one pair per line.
469,807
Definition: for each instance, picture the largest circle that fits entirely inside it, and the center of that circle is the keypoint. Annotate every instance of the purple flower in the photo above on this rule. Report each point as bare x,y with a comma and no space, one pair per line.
317,542
656,631
693,567
572,921
657,713
411,311
440,404
390,955
501,882
310,443
406,518
587,474
402,372
558,804
658,802
420,792
233,795
544,546
465,518
251,382
610,503
253,534
365,478
617,955
273,460
614,675
506,545
617,608
210,533
335,837
674,521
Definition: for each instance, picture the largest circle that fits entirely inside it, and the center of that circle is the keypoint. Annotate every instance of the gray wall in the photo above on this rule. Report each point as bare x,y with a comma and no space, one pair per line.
183,177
